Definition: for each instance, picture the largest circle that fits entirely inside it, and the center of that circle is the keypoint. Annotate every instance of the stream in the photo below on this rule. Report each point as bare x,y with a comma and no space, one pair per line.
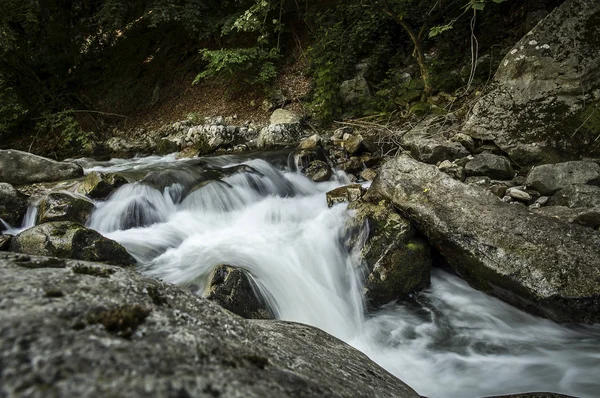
182,218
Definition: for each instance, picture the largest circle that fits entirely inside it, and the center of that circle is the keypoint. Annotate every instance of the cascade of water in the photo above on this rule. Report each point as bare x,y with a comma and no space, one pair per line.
450,341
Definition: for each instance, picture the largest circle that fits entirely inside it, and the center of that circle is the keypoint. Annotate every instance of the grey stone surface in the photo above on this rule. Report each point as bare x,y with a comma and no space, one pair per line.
13,205
551,178
99,185
283,116
427,143
541,265
64,206
73,329
589,217
347,193
576,196
18,168
493,166
545,90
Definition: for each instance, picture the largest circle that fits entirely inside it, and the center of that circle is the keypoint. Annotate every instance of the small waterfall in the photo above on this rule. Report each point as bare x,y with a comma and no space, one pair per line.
181,219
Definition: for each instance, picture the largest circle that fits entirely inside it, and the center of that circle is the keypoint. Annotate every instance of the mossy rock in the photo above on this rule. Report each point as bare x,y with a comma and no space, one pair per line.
99,185
63,206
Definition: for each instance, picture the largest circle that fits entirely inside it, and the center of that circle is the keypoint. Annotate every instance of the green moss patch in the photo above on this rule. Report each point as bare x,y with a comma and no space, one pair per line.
122,321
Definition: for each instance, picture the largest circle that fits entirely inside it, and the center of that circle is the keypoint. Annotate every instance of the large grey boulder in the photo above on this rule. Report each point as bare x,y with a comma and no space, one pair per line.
493,166
18,168
543,106
13,205
576,196
90,330
536,263
67,239
428,144
236,291
398,261
64,206
548,179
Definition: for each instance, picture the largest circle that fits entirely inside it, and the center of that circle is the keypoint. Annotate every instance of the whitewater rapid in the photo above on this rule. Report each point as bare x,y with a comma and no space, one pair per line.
182,218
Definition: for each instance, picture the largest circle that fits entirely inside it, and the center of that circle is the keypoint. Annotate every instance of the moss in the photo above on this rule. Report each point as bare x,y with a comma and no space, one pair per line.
50,262
94,271
122,321
156,296
53,293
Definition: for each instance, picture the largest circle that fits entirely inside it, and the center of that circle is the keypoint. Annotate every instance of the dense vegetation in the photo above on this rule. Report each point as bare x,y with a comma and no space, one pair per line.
63,61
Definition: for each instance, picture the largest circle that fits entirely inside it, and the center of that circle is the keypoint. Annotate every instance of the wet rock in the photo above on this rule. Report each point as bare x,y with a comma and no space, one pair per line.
427,143
538,264
493,166
95,336
5,242
99,185
234,290
300,159
551,178
67,239
368,174
13,205
398,260
347,193
540,105
588,217
17,167
312,142
63,206
353,144
577,196
318,171
453,170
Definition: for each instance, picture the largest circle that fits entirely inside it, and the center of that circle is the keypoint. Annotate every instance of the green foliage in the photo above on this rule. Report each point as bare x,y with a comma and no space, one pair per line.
64,126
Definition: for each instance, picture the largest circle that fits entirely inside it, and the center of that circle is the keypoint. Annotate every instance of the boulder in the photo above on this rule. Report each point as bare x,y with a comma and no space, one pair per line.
347,193
548,179
99,185
318,171
352,165
73,333
236,291
312,142
589,217
276,135
453,170
353,144
64,206
543,104
541,265
283,116
355,91
125,148
493,166
577,196
398,261
13,205
368,174
427,143
18,168
68,239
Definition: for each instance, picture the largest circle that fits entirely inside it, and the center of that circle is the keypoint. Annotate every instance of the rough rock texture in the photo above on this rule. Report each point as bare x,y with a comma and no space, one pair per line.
13,205
543,108
577,196
18,168
398,261
453,170
63,206
124,148
536,263
75,333
234,290
586,217
70,240
318,171
278,135
353,144
534,395
100,185
427,143
283,116
347,193
550,178
493,166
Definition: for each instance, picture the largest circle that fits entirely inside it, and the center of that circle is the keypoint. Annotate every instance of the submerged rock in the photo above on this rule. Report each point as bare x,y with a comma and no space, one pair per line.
13,205
67,239
551,178
17,167
234,290
63,206
536,263
100,185
78,334
398,260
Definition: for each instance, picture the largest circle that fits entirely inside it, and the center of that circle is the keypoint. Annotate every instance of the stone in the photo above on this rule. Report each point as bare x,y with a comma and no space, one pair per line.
353,144
427,143
398,261
347,193
64,206
13,205
465,140
453,170
276,135
519,195
538,264
542,200
355,91
68,239
352,165
234,290
589,217
576,196
99,185
72,334
283,116
312,142
19,168
165,146
368,174
541,107
550,178
299,159
493,166
125,148
318,171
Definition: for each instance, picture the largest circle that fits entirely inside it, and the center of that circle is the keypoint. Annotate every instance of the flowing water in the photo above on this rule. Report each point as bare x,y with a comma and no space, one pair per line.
180,219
